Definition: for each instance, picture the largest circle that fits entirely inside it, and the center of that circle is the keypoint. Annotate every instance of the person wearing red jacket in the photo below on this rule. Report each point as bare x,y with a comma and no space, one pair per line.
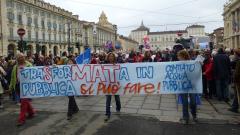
94,60
208,73
138,57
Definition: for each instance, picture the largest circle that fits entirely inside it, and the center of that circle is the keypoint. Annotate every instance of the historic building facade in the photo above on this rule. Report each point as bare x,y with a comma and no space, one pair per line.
196,30
49,29
139,33
231,17
127,44
217,38
96,35
165,39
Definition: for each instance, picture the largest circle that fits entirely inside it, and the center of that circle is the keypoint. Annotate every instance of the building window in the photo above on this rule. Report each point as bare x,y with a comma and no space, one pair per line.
11,33
36,12
49,37
60,38
49,24
43,24
60,18
28,9
10,16
55,37
64,28
48,15
43,36
36,35
19,7
29,35
42,14
29,21
64,38
10,4
60,27
36,22
55,26
54,17
20,19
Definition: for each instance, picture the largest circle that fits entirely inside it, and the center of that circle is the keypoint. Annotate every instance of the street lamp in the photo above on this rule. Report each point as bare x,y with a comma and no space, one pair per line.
85,37
78,44
115,32
95,37
69,36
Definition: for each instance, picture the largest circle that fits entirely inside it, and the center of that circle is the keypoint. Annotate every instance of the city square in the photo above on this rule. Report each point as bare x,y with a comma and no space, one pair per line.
127,67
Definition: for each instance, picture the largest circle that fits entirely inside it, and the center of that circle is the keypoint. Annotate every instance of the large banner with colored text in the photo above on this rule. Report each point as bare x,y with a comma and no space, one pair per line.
111,79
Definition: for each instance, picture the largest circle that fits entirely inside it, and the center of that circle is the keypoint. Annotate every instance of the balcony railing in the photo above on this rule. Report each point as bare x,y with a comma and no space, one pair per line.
11,38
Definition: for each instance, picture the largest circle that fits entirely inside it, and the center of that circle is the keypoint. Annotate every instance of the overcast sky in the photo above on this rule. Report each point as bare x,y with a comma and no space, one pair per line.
158,15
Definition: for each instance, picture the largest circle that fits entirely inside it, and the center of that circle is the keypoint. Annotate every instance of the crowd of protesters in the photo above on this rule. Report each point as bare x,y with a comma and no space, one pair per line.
220,67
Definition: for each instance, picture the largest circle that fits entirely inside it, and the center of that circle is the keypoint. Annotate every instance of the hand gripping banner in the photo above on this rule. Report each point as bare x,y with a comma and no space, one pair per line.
119,79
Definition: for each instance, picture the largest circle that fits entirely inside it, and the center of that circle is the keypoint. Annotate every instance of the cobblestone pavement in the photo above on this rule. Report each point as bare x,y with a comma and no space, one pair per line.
140,115
163,107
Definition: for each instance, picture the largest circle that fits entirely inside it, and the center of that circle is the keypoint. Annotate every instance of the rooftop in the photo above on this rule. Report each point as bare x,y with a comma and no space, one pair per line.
128,39
167,32
142,28
196,26
220,28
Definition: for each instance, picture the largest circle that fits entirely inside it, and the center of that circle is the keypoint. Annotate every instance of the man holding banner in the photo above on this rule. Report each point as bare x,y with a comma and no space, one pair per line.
181,77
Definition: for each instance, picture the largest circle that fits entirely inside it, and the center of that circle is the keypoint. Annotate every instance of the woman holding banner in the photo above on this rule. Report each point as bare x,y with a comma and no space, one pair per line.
111,59
184,56
26,106
72,105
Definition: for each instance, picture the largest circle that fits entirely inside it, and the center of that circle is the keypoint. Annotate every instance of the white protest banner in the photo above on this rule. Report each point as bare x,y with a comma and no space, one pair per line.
106,79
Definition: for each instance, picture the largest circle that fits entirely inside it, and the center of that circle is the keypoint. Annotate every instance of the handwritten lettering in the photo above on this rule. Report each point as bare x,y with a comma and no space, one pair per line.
111,79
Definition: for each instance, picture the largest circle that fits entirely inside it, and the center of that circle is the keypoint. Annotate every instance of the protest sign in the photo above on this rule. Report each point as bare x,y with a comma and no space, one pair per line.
107,79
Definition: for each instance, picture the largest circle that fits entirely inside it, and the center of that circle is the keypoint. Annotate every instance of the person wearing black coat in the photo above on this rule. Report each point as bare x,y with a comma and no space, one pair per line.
236,81
222,74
